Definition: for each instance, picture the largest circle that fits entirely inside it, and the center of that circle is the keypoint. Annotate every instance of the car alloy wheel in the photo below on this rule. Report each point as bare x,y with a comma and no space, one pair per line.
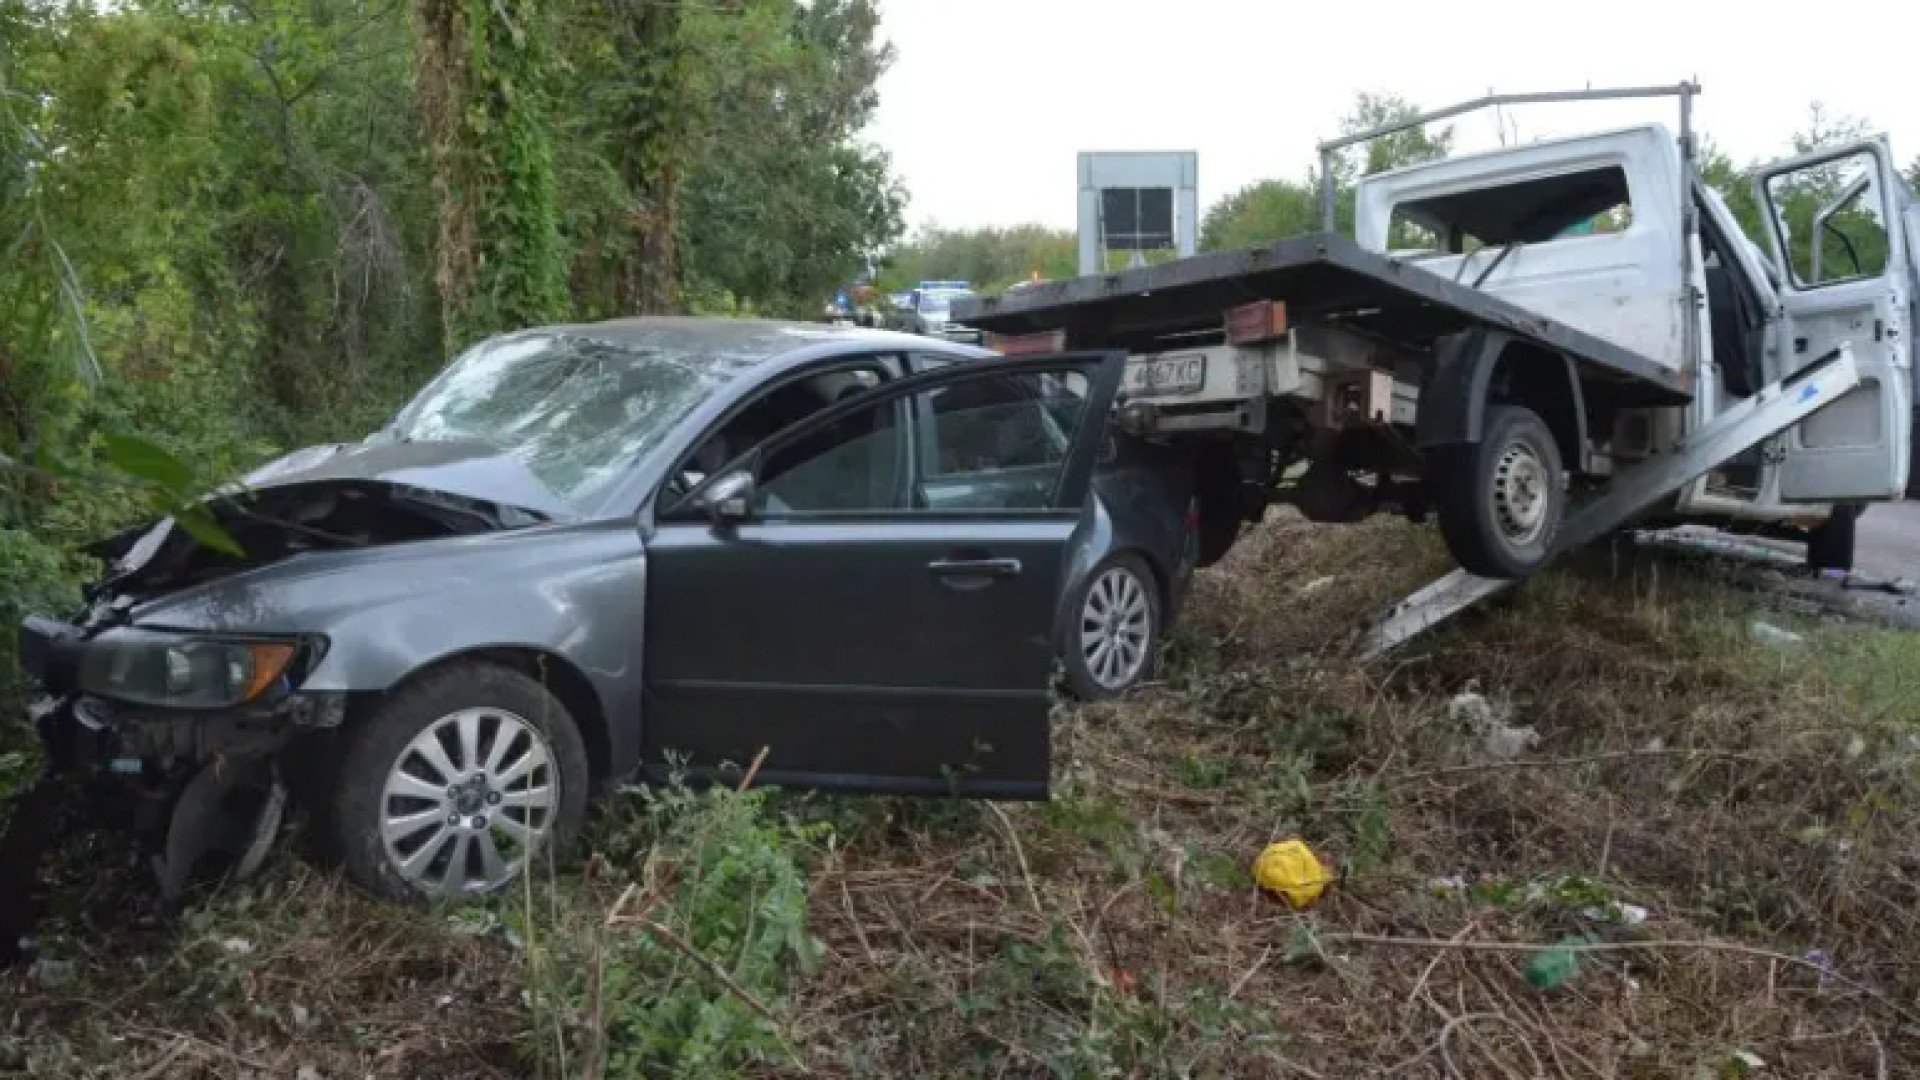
1116,628
467,801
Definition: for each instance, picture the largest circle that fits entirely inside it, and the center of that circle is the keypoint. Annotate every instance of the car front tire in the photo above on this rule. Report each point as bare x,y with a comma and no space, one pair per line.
455,782
1112,638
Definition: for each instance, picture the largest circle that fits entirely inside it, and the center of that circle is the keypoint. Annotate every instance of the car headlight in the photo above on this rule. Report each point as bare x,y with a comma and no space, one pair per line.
183,672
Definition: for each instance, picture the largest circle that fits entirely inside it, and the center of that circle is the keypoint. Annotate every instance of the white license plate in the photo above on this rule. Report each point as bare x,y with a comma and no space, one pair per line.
1168,375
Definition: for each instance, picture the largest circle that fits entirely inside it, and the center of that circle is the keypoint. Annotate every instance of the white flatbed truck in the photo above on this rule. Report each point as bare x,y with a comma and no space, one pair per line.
1539,345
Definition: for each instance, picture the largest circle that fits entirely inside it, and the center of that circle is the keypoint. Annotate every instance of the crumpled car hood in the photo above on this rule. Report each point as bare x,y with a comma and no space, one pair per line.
335,498
474,470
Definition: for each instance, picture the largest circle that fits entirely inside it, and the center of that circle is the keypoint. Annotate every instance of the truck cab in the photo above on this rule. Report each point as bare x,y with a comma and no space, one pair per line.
1595,232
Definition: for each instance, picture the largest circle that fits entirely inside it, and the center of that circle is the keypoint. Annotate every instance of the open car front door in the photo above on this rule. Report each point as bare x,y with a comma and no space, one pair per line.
872,595
1834,226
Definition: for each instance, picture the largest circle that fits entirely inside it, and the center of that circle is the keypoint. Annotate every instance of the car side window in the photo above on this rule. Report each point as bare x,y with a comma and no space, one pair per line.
774,411
856,464
998,442
994,442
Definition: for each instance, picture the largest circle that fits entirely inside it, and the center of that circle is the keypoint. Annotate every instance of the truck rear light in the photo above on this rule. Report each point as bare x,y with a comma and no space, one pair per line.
1262,320
1046,341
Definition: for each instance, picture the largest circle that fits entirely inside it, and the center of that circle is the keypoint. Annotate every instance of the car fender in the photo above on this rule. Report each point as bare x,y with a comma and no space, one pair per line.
1092,542
577,592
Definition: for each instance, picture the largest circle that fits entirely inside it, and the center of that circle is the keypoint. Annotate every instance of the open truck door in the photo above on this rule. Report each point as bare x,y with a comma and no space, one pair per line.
1913,344
1834,223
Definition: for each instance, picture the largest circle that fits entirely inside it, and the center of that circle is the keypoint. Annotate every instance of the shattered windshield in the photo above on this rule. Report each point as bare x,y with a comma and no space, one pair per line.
576,410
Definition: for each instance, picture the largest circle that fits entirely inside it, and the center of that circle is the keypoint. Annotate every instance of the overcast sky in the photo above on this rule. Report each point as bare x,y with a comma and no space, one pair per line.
989,101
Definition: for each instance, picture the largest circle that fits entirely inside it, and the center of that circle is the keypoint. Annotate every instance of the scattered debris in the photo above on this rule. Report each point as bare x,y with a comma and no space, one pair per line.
1316,585
1292,871
1768,634
237,946
1823,961
1551,968
53,973
1499,739
1618,913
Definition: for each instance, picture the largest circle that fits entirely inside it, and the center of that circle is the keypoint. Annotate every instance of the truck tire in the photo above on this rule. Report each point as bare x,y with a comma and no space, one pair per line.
1830,544
1500,500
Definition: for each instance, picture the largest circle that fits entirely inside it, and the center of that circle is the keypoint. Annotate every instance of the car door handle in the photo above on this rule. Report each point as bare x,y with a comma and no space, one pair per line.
975,568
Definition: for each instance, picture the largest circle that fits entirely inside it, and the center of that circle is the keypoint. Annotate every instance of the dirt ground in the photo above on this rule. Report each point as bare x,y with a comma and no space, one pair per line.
1601,829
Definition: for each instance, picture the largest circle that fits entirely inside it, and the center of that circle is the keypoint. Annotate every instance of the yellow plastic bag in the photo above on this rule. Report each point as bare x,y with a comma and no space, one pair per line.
1292,871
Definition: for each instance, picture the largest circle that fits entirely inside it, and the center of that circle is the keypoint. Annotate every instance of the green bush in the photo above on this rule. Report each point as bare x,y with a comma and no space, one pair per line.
689,977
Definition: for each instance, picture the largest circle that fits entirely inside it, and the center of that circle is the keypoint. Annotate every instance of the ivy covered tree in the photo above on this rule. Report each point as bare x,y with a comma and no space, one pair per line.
483,69
237,226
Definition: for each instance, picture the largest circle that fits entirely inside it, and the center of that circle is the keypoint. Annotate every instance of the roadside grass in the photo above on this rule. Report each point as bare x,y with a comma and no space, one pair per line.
1611,758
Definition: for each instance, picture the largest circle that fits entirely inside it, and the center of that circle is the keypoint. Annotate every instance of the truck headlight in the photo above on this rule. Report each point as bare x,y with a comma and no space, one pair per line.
183,671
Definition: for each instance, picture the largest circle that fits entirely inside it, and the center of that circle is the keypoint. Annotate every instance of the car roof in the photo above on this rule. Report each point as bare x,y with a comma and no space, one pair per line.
744,343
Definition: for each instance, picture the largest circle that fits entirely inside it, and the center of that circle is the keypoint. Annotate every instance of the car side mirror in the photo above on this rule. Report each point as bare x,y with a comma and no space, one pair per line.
729,500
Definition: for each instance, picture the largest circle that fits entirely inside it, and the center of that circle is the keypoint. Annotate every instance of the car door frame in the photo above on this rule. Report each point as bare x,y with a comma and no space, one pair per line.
1823,474
1103,370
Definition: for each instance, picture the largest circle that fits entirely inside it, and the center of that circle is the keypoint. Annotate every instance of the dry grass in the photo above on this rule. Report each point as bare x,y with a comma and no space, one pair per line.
298,972
1748,797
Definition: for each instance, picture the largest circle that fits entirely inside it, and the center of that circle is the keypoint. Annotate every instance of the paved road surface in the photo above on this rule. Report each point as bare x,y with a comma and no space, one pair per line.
1887,543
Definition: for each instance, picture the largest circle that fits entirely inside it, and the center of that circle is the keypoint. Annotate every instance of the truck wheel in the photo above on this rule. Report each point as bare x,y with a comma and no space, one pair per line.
1500,500
1830,544
453,783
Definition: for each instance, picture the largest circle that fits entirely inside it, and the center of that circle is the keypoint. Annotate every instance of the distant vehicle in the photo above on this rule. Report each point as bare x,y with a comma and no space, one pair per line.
583,552
852,306
929,312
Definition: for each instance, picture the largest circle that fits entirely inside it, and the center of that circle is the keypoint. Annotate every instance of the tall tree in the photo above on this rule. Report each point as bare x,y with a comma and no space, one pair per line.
660,109
482,87
991,258
1270,209
783,199
1409,147
1261,212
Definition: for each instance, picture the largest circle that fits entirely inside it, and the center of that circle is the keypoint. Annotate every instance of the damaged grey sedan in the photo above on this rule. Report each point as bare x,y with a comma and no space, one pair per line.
588,553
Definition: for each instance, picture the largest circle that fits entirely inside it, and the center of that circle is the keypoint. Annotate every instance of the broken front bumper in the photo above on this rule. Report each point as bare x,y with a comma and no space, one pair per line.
190,784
